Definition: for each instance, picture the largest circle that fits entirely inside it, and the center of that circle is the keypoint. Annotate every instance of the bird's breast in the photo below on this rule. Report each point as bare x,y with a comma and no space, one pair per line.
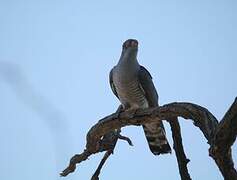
129,91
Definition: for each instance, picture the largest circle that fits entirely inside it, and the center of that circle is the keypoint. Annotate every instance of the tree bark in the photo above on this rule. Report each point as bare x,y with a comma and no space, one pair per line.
179,150
220,136
225,136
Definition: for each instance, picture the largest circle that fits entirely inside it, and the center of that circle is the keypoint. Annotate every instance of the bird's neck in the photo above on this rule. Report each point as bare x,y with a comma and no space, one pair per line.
128,61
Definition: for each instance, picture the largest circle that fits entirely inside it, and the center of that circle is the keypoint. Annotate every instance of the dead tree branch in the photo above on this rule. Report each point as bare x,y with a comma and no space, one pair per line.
97,172
224,138
201,117
179,150
107,143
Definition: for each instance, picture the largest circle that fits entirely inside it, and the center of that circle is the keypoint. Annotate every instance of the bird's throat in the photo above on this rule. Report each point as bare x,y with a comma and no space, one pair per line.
128,61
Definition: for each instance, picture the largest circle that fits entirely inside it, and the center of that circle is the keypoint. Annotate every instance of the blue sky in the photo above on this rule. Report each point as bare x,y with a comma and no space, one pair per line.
55,57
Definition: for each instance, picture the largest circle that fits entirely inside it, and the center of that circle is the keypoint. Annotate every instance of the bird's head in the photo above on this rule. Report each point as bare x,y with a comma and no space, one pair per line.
130,44
130,47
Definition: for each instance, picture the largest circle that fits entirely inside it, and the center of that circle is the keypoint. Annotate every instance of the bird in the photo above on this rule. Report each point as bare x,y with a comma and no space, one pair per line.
132,84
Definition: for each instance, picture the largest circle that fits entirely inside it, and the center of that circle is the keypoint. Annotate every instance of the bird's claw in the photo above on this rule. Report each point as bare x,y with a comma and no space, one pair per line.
131,113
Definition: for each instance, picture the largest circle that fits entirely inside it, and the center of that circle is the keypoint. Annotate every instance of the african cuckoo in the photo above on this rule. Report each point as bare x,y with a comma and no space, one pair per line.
133,86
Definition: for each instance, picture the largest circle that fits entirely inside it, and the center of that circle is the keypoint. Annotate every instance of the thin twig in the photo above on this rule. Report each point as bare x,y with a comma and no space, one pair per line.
125,139
97,172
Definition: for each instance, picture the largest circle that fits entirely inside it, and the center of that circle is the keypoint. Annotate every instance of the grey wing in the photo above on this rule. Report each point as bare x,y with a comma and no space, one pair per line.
112,83
146,83
154,132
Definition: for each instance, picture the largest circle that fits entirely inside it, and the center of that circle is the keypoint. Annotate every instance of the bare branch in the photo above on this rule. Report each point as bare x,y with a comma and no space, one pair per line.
99,136
75,160
97,172
126,139
106,143
179,151
225,136
227,129
201,116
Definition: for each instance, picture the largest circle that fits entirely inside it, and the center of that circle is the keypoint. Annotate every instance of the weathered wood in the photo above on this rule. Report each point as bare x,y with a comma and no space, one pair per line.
179,150
201,116
224,138
219,136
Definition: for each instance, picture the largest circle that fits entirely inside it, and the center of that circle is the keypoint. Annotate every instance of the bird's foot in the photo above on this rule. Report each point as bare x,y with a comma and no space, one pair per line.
131,113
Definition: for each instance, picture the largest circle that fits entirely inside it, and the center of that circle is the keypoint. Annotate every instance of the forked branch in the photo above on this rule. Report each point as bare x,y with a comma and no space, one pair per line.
202,118
224,138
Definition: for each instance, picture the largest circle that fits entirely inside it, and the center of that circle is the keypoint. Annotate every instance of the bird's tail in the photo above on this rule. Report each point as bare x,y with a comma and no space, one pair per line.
156,138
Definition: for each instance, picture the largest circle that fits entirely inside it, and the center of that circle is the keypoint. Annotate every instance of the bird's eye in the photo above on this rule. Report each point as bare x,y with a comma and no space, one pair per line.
134,44
130,43
127,44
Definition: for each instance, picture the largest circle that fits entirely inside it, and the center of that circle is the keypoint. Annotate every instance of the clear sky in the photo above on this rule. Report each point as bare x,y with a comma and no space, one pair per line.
55,58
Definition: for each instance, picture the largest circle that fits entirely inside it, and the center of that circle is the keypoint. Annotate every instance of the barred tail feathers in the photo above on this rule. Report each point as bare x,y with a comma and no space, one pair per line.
156,138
